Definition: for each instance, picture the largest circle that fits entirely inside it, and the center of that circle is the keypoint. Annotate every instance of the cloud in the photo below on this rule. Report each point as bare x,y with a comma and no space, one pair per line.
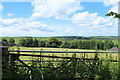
83,18
27,27
113,3
92,26
11,22
92,19
23,24
87,23
1,7
110,2
34,25
91,23
16,0
53,8
10,14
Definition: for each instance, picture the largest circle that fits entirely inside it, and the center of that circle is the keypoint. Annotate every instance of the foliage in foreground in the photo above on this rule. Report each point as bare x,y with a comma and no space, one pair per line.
76,69
114,14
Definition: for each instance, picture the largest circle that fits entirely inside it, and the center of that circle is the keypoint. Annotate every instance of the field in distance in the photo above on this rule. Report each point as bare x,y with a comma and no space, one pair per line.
79,55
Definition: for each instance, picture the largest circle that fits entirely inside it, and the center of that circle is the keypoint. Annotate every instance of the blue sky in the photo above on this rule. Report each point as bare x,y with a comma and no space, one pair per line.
20,9
53,18
25,9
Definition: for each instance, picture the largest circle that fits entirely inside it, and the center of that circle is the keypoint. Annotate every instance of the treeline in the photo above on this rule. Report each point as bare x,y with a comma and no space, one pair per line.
88,44
30,42
56,43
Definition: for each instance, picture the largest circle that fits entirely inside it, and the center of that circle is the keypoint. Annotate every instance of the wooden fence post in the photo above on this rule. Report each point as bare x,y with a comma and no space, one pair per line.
84,55
2,51
5,56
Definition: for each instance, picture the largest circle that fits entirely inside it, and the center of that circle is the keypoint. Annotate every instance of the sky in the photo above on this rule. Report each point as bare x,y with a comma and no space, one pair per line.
46,18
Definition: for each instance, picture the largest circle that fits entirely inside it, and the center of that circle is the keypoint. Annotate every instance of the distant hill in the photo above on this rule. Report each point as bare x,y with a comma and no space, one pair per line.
87,38
66,38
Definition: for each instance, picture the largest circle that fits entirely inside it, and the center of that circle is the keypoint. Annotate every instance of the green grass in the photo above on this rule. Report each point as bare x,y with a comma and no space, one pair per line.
100,69
80,55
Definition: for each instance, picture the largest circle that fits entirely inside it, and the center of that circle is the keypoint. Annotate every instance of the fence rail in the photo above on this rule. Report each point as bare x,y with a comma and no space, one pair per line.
62,51
35,55
47,56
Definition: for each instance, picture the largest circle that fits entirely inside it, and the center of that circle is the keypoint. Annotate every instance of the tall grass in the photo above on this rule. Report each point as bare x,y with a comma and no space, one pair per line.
77,69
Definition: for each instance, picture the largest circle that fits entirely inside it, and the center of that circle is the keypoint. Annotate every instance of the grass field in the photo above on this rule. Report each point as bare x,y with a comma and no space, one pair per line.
79,55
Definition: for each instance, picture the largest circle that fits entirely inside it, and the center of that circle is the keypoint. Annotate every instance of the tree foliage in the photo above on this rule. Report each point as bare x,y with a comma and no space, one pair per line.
35,43
27,42
94,44
65,44
11,42
115,15
54,42
41,44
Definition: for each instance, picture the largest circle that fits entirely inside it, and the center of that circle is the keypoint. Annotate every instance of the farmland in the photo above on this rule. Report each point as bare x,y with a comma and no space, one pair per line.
79,55
81,66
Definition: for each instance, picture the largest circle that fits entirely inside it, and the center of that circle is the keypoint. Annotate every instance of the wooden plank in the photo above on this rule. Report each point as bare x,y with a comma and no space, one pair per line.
43,61
62,51
49,56
57,57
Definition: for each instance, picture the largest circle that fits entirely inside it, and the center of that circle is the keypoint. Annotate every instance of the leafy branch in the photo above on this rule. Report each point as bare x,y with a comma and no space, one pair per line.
115,15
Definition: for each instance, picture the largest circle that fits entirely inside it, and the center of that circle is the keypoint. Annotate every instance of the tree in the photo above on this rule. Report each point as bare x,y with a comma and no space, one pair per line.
101,45
83,45
54,41
87,44
30,42
72,46
35,43
65,45
79,46
74,43
92,44
115,15
54,45
108,44
11,42
27,42
41,43
22,42
47,44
